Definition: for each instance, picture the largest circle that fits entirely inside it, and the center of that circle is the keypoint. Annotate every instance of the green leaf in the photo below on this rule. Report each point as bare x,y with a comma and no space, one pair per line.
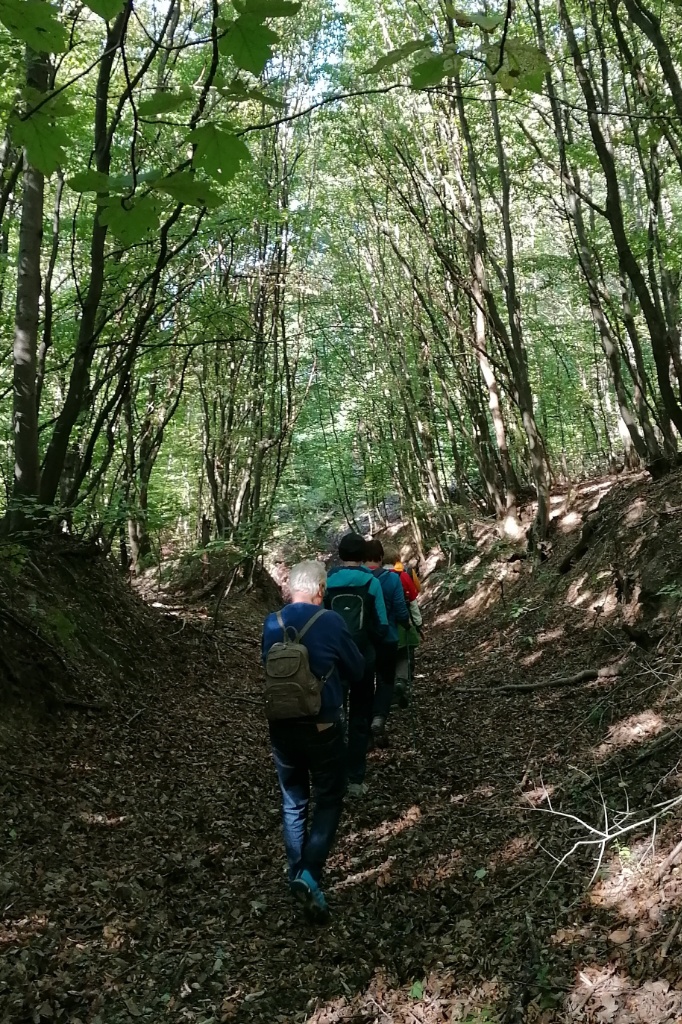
184,187
486,22
130,224
107,9
395,56
164,102
53,104
535,82
428,72
240,93
34,22
219,153
267,8
89,181
43,141
249,42
417,990
480,874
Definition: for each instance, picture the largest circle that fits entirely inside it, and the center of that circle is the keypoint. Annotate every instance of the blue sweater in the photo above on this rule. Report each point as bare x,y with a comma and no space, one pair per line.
394,598
330,649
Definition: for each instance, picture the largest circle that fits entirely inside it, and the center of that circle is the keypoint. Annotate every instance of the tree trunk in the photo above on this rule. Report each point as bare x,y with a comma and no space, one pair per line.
25,408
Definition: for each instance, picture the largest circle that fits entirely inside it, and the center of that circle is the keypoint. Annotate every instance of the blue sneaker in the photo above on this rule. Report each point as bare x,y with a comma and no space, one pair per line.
308,893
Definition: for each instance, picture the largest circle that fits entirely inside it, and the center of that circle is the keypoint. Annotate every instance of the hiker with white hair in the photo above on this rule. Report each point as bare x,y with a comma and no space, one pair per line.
310,660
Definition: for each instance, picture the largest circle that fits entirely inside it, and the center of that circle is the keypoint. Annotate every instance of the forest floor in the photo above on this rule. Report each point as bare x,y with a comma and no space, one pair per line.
141,863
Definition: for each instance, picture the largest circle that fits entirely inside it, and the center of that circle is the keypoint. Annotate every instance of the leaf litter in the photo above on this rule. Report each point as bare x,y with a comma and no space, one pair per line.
142,872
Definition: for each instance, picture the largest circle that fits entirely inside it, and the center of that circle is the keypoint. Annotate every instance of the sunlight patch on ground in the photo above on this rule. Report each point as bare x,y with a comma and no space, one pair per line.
430,1000
447,617
472,564
381,874
440,869
81,766
605,604
530,659
631,731
614,997
484,790
103,818
536,797
636,512
570,522
550,635
22,929
575,933
599,488
574,596
630,887
388,829
519,846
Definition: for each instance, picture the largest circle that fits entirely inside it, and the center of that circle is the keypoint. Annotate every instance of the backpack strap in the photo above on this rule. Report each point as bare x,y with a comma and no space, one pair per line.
311,620
285,629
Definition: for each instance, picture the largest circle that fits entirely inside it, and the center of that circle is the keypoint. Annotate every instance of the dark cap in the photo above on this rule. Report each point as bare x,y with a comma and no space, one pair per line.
352,548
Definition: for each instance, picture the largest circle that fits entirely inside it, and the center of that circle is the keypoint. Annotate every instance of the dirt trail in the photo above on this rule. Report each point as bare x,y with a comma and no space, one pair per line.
141,867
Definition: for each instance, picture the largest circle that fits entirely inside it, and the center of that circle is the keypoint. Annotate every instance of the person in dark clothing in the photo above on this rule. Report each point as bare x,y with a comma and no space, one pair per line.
353,591
397,614
310,753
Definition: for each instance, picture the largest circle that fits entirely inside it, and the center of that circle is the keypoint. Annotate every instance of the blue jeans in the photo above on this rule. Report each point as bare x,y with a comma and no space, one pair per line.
308,760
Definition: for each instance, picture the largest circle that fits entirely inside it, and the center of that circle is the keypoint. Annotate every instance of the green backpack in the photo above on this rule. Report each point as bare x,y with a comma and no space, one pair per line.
291,689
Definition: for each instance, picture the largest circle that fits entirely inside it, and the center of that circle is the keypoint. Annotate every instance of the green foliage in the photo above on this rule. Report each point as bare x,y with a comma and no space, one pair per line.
45,142
130,222
186,188
395,56
428,71
13,558
165,102
36,23
249,42
60,626
486,22
220,153
107,9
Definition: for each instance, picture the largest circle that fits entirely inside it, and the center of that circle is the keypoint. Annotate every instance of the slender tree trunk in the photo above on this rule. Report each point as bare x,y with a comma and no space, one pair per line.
25,407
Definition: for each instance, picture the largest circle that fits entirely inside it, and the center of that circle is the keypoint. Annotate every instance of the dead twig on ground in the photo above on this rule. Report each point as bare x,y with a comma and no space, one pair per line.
672,935
587,675
669,862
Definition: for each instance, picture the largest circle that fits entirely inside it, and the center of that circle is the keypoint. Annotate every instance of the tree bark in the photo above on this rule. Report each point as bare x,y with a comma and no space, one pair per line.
25,409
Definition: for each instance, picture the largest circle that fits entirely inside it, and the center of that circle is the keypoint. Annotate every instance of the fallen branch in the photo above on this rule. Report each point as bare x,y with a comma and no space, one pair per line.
672,935
669,862
587,675
659,744
79,705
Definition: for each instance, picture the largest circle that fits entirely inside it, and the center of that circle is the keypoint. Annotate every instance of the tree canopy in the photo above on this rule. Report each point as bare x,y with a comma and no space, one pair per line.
265,262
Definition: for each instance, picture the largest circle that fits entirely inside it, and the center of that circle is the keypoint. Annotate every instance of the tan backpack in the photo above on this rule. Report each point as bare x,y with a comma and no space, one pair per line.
291,689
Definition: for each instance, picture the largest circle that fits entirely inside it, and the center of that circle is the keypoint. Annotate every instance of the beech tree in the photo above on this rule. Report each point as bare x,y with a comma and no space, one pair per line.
262,258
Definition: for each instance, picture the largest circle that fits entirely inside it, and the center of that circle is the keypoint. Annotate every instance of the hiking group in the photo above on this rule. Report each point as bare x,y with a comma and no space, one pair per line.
337,657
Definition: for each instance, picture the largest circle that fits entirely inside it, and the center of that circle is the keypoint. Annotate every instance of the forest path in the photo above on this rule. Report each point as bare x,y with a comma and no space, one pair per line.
147,880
